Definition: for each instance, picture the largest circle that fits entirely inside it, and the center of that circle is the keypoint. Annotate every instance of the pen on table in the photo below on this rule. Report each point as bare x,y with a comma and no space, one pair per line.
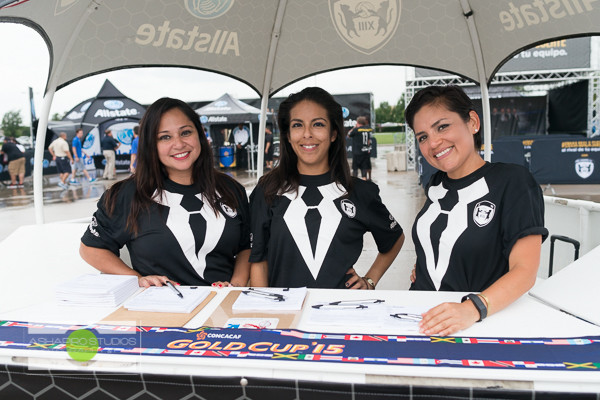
173,288
269,295
410,317
348,302
339,306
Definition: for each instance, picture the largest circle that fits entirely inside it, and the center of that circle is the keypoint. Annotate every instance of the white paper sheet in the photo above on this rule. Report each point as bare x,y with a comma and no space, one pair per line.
163,299
96,290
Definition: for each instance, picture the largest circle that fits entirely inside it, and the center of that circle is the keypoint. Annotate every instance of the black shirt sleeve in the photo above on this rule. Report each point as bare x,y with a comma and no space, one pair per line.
244,211
109,231
260,225
380,222
524,210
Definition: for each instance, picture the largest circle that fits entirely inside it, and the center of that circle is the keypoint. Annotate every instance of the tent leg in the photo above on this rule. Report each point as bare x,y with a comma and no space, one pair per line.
487,125
38,158
262,124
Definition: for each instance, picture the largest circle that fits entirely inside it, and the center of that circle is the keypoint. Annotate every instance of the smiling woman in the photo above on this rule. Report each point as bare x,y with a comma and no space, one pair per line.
181,220
309,215
482,226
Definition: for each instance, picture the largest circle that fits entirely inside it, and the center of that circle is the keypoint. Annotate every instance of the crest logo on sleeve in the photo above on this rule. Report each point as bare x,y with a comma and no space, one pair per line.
366,26
584,167
228,210
483,213
348,208
208,9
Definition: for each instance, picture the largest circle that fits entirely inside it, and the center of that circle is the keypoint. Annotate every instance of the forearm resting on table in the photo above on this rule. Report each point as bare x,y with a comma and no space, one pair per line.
523,262
384,260
241,270
259,274
105,261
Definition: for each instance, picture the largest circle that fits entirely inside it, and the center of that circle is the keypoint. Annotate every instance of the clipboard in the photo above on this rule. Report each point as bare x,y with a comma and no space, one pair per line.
223,313
123,316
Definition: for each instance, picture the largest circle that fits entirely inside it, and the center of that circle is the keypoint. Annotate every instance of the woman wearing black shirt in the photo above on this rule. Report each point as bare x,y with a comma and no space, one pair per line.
309,215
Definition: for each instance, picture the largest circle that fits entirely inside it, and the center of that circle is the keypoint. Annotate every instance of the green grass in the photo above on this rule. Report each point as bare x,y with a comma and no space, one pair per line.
390,138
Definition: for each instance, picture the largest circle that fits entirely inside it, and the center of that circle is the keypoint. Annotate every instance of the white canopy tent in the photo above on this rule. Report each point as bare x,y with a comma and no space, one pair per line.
269,44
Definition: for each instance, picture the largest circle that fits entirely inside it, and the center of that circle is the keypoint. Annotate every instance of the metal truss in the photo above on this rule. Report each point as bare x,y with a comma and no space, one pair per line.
539,80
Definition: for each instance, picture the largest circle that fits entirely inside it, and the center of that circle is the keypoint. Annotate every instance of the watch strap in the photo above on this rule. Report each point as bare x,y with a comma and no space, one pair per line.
478,303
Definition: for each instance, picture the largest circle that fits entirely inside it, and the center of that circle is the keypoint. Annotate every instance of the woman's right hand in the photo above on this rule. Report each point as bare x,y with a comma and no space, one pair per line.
153,280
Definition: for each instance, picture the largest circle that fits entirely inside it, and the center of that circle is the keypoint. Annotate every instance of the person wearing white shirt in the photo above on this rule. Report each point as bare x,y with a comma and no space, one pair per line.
240,138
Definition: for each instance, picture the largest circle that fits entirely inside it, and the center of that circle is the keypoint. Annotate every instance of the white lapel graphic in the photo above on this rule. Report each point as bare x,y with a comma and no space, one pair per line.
178,223
457,223
330,220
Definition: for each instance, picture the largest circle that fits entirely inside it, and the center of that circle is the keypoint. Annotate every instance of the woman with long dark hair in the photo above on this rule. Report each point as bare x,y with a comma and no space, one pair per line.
309,215
180,219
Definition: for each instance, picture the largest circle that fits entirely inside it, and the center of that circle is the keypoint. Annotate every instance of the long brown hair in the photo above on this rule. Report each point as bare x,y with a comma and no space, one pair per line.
285,177
150,173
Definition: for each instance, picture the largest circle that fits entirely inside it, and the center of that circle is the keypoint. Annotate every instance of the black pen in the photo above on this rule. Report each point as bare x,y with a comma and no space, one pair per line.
407,316
367,301
173,288
339,306
265,294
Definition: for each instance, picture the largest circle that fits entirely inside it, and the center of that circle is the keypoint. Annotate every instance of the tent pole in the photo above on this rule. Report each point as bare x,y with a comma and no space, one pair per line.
38,157
251,166
267,85
485,96
262,124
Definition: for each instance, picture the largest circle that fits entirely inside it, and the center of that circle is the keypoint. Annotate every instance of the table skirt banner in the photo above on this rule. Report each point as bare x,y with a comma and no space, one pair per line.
575,354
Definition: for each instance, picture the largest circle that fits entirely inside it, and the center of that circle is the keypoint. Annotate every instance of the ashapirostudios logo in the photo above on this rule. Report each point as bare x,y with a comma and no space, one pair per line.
82,345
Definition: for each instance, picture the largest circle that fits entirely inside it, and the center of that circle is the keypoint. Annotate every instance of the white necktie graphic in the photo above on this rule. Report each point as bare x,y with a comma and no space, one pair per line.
330,220
178,223
457,223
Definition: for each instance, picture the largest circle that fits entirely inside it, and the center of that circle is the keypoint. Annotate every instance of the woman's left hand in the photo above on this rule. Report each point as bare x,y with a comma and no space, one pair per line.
355,281
448,318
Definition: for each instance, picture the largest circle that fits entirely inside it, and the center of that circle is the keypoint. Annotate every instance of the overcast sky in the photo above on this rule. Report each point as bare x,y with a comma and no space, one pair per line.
25,64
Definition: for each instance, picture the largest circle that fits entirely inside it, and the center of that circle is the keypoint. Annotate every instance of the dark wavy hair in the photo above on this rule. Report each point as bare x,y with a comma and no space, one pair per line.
150,174
452,97
285,177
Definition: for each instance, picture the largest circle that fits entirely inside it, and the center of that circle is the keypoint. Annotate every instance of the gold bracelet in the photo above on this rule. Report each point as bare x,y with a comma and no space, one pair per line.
487,301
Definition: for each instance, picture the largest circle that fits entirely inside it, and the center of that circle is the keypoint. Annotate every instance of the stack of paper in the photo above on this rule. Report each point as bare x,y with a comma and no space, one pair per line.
164,299
98,290
270,299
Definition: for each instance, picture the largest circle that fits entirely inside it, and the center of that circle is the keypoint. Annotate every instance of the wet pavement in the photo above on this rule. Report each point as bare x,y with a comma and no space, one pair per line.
399,191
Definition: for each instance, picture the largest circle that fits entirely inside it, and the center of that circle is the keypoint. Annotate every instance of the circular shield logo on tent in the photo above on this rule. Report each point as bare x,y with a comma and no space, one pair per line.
125,136
366,26
89,141
345,112
483,213
113,104
208,9
584,167
203,119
